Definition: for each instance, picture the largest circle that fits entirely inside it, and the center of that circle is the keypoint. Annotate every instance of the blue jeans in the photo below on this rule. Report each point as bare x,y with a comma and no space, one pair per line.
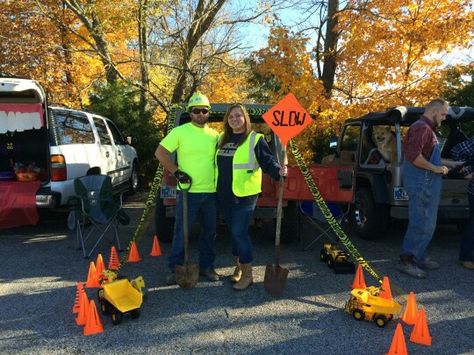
467,242
202,205
237,217
424,190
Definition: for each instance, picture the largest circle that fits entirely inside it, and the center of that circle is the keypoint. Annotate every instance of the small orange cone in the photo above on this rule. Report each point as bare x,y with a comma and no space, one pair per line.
421,333
155,248
359,280
83,310
398,346
99,265
385,291
93,324
77,301
411,310
133,256
114,260
92,280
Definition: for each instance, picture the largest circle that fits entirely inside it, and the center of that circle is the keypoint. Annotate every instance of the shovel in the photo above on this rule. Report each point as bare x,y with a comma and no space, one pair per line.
275,276
187,275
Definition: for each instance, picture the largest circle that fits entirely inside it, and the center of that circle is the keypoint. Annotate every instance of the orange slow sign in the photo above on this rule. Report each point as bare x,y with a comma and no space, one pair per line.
287,118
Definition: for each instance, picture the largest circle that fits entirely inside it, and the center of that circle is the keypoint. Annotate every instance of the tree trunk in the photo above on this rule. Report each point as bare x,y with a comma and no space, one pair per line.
143,48
330,48
203,17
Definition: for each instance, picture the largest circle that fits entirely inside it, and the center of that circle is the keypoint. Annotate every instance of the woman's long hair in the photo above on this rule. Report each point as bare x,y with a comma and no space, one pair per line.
228,129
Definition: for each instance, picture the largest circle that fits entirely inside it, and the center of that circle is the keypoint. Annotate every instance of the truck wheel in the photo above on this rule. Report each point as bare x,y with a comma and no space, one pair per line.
116,316
322,255
135,313
133,182
289,223
104,307
381,321
163,226
369,219
358,314
330,262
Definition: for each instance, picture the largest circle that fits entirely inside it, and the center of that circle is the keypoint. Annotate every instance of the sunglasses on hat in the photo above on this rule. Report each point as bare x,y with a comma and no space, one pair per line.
197,111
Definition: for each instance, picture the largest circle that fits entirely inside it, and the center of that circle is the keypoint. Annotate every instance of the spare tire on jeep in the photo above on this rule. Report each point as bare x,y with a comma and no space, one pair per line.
369,219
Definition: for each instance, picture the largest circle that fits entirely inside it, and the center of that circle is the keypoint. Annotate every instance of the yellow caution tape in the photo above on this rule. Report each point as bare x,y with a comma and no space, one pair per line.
351,249
151,199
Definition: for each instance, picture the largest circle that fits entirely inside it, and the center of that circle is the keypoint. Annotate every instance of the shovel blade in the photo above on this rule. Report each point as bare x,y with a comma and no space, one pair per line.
275,280
187,275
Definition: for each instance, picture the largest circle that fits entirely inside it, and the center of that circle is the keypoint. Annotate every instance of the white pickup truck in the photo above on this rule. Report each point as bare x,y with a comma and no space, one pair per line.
58,144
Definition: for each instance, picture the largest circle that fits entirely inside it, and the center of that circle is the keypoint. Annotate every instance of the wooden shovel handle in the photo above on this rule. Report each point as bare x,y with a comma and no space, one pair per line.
279,212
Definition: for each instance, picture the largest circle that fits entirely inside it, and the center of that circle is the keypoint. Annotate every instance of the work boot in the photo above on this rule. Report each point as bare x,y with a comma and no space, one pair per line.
210,274
427,264
467,264
171,279
237,272
246,279
408,266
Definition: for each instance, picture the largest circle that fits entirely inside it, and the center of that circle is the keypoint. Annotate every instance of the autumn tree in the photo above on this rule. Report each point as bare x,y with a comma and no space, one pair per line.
384,53
459,85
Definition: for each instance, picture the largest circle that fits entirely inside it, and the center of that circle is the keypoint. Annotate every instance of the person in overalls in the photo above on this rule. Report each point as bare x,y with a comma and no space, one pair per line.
422,174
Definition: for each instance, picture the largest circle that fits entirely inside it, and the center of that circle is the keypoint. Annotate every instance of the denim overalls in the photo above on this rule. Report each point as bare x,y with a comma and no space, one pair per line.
424,190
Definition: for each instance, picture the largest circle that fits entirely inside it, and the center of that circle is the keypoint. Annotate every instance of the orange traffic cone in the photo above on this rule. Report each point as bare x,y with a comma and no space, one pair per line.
359,280
133,256
398,346
421,333
411,310
77,301
385,291
114,260
93,324
99,265
83,309
155,248
92,280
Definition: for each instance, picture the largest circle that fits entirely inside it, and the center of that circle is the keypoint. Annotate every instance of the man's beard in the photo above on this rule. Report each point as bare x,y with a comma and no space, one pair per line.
200,119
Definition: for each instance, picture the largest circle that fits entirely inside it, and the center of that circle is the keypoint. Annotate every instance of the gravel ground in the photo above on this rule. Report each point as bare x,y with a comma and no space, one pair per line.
40,266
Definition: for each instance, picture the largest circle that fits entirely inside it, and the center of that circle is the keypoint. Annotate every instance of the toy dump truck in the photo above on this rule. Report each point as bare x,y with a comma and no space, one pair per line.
120,297
336,259
366,304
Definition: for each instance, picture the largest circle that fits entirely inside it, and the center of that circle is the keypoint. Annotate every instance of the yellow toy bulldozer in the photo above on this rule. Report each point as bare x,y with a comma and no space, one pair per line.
366,304
336,259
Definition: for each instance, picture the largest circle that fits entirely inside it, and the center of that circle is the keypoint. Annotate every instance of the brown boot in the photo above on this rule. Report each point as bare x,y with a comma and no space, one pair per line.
246,280
237,272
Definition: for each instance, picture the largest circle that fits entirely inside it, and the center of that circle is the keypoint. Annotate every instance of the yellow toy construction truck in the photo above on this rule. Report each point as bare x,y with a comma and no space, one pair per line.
366,304
336,259
121,296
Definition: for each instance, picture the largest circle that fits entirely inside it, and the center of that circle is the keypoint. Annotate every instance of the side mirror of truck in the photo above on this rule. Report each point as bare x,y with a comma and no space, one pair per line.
131,140
333,143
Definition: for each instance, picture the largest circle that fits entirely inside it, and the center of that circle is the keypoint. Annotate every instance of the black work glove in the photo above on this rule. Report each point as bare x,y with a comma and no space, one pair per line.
182,177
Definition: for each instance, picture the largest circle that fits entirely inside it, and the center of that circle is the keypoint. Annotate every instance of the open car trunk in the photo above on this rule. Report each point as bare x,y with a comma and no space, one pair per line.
24,150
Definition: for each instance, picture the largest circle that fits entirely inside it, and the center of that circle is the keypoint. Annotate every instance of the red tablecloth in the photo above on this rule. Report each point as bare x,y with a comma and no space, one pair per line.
18,203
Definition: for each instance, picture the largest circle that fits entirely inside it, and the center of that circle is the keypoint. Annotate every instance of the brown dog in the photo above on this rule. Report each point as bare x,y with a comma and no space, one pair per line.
384,138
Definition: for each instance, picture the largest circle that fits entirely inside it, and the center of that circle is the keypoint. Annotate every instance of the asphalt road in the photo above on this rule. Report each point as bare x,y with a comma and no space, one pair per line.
40,266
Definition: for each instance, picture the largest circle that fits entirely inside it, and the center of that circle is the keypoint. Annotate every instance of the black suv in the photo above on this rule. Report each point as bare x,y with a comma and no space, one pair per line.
379,192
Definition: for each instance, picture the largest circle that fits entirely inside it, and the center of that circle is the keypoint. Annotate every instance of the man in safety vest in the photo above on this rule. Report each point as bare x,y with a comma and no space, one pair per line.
195,144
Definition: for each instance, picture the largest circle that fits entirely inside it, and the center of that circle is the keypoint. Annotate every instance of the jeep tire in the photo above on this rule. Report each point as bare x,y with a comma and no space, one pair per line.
369,219
163,226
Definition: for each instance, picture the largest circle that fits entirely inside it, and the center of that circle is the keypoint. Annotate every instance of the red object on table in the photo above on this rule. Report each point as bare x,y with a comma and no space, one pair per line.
18,203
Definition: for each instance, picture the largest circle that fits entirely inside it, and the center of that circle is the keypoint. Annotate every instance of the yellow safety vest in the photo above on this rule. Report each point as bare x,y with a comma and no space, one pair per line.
246,173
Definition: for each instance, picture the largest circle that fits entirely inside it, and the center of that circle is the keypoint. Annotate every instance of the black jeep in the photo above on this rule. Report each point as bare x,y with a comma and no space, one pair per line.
379,192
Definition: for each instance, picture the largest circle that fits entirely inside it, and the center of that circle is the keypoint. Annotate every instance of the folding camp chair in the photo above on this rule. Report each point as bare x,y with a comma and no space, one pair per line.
312,213
97,212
